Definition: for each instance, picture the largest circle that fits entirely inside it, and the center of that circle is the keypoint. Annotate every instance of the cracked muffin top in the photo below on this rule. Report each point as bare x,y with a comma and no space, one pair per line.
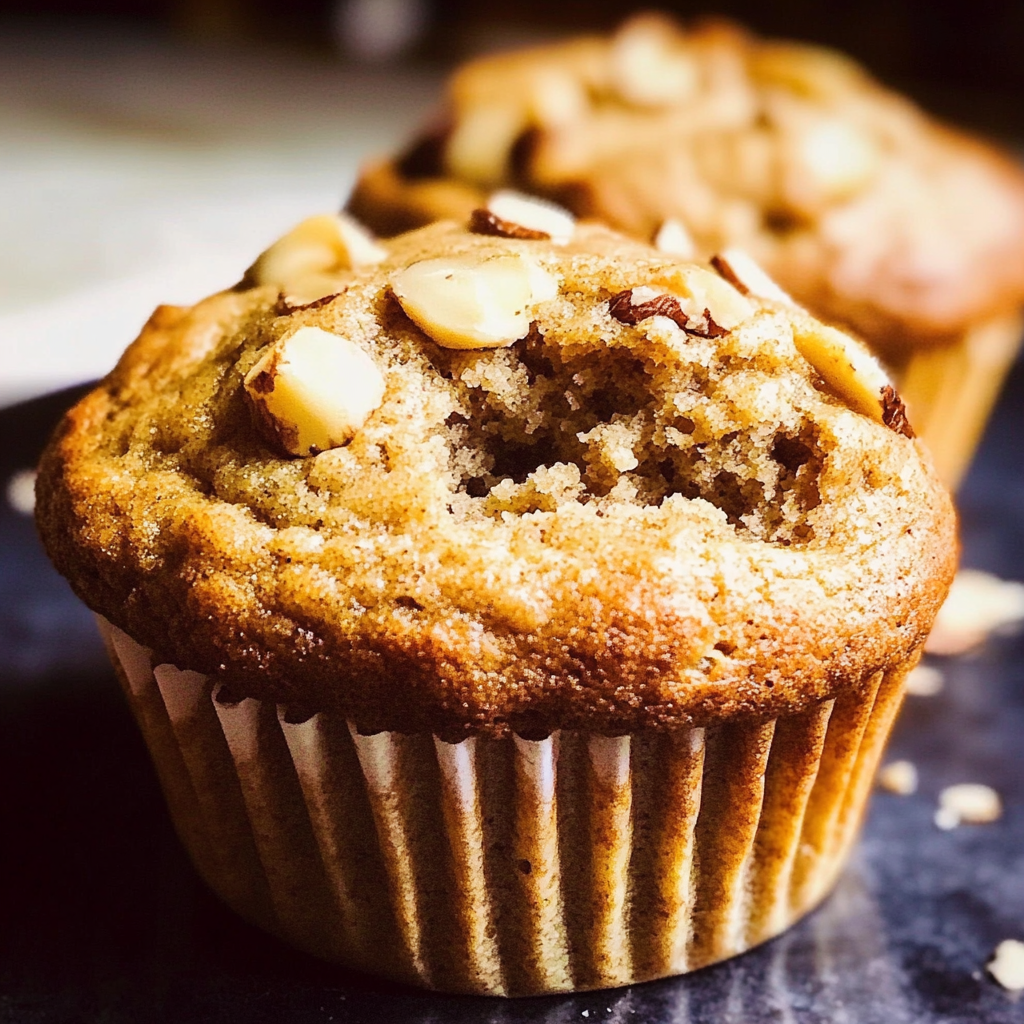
525,477
860,205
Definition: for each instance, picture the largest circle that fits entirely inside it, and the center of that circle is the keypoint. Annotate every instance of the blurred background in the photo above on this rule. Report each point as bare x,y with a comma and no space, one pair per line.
149,149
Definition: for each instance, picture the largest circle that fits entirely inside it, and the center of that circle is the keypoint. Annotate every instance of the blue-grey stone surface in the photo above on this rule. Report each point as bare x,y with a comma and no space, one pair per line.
103,920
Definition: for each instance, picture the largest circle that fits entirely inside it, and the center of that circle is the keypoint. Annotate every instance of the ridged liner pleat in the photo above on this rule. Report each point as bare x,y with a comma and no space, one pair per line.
510,866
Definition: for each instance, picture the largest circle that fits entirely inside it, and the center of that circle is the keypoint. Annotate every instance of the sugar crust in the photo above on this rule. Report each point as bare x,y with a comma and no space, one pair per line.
603,526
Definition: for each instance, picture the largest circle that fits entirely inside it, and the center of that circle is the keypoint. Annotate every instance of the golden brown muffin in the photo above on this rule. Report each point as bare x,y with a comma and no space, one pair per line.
525,612
863,208
607,524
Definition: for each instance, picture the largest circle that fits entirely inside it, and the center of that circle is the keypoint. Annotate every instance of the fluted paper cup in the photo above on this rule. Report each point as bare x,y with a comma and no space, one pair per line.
510,866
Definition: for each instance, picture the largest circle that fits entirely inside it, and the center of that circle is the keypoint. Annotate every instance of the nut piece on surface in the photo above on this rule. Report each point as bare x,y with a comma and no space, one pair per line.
970,802
312,390
746,274
1007,965
468,302
673,238
319,245
899,777
851,372
634,305
547,220
707,291
979,605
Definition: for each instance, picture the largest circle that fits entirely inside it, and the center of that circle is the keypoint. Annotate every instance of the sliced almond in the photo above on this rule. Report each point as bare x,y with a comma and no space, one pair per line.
313,390
468,302
852,372
673,238
534,214
324,244
743,272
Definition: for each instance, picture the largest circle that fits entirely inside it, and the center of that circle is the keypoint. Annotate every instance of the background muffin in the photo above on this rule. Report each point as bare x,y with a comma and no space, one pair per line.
605,519
873,215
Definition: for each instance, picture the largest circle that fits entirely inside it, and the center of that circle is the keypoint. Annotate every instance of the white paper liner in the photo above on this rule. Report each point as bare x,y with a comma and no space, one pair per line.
510,867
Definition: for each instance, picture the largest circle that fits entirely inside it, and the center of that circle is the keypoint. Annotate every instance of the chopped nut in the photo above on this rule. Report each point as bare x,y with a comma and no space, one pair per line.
467,302
840,158
851,372
924,681
894,412
649,64
969,802
673,238
899,777
483,222
743,273
532,217
307,260
636,304
313,390
706,290
1007,965
979,604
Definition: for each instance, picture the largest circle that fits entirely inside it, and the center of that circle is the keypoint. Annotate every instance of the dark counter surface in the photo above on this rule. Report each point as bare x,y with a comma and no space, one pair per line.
102,918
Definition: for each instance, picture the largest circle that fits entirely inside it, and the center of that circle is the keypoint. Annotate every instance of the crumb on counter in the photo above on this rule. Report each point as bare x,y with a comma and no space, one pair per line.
979,605
21,491
925,681
968,802
1007,964
899,777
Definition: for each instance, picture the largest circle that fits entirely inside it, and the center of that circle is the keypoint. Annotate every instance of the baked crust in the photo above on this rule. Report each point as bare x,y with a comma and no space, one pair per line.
865,209
605,525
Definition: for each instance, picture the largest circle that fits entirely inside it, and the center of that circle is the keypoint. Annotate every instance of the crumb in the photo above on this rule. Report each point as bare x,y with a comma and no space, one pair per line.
979,605
925,681
21,491
1007,965
969,802
899,777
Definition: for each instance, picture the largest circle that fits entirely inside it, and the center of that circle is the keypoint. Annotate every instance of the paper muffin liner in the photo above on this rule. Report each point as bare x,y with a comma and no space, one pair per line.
510,866
950,390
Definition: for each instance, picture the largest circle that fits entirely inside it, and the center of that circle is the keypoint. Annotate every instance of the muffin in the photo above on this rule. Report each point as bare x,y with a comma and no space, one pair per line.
874,216
524,612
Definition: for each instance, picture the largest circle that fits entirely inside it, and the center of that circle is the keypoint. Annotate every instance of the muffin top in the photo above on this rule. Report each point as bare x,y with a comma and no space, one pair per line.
525,477
859,204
